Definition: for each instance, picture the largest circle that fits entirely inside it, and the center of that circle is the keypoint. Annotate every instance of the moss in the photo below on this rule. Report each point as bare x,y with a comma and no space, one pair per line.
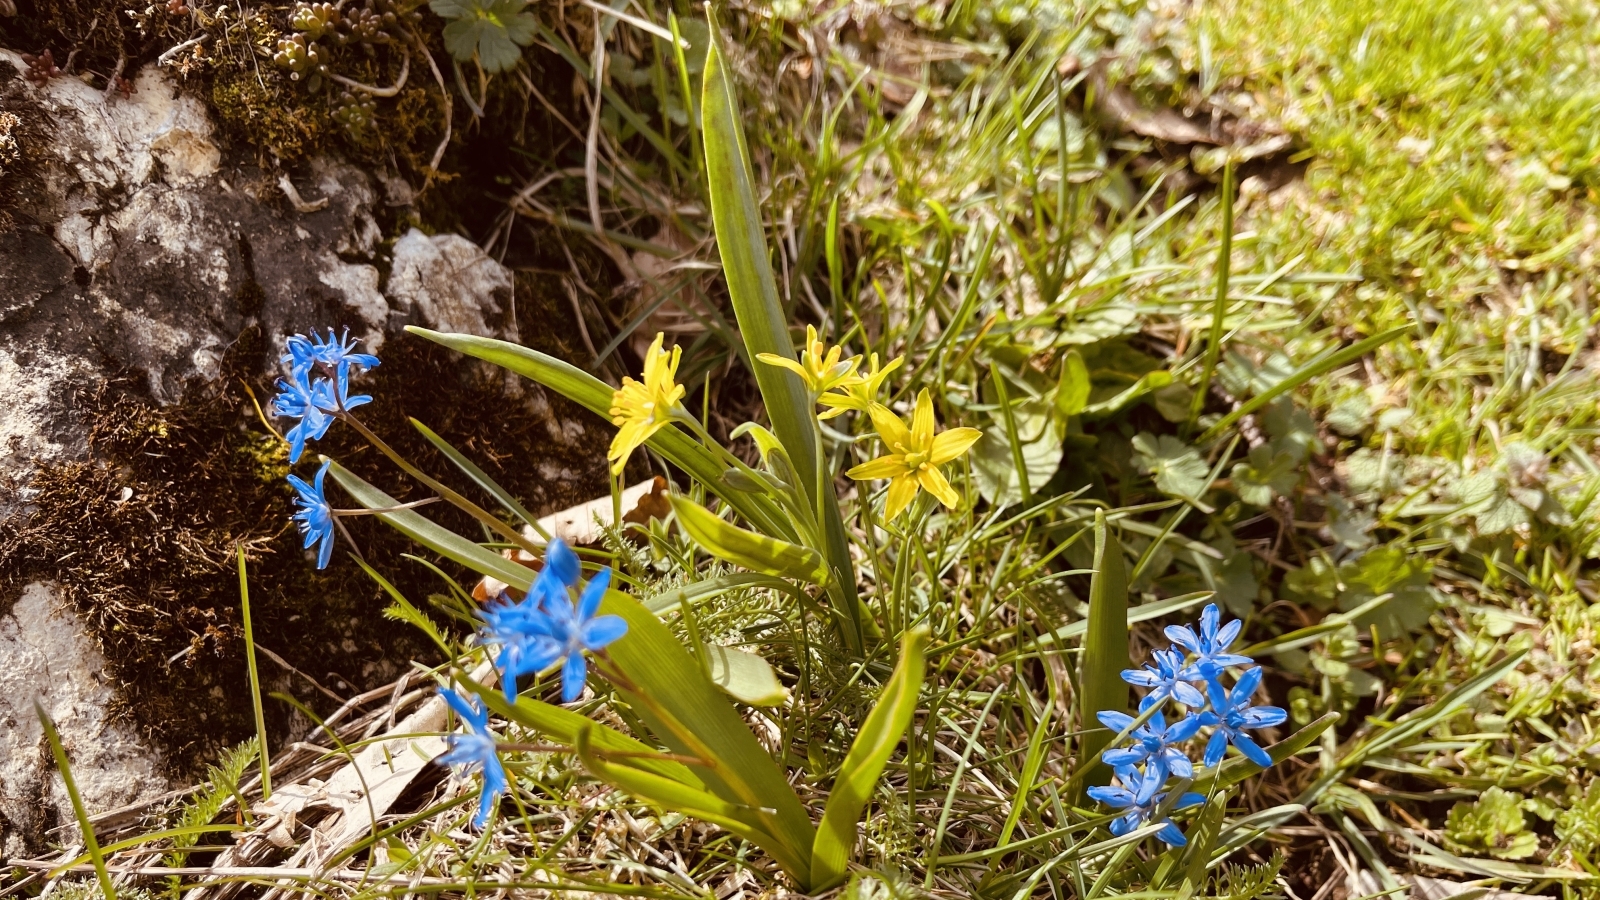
269,113
141,539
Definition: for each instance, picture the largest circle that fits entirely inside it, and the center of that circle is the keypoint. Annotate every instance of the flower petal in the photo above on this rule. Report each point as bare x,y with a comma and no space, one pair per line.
922,422
1116,721
1263,716
1216,748
602,630
1245,687
890,428
573,677
1141,678
882,467
951,444
1172,836
1123,757
1184,637
933,481
593,593
1187,694
1252,750
1120,798
902,490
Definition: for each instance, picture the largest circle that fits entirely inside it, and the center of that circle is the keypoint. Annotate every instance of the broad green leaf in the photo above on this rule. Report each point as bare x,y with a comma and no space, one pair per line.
564,725
1150,381
1105,646
753,293
436,538
994,465
745,676
492,30
746,549
667,689
1176,467
1072,392
880,733
595,395
678,797
1265,474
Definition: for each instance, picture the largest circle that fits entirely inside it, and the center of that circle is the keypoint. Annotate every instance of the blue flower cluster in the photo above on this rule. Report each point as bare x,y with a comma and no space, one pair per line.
533,634
317,389
1155,751
545,627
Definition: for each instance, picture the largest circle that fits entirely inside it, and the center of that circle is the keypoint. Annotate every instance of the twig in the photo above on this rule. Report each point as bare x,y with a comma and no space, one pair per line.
172,54
449,111
295,200
405,70
111,83
285,664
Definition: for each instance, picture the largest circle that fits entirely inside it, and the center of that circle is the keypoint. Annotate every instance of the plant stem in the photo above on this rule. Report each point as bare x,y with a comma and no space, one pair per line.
1220,311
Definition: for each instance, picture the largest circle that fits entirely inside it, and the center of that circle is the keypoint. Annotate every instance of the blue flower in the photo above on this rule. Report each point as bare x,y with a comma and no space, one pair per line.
315,515
1139,797
1232,713
1153,743
334,354
475,750
310,403
1210,646
1166,678
545,627
576,630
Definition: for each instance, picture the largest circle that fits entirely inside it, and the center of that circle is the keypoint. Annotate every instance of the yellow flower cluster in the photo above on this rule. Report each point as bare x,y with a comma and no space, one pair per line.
640,410
913,454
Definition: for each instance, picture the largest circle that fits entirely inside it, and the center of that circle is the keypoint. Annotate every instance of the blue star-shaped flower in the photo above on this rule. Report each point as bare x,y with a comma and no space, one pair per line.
1139,796
575,630
1232,713
545,627
1166,678
1210,646
311,403
333,353
475,750
1154,743
314,515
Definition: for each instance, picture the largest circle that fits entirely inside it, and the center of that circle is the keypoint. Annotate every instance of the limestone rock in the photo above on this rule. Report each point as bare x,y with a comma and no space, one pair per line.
47,657
452,284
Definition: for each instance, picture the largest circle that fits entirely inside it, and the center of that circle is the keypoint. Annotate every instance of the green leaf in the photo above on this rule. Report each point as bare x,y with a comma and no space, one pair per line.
994,465
1072,392
1105,647
1264,475
880,733
753,293
478,475
595,395
493,30
1492,824
745,676
564,726
436,538
1176,467
673,795
670,693
747,549
1148,382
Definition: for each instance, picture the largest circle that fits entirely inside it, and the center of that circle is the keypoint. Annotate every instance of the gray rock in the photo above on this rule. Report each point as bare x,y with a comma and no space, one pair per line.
129,242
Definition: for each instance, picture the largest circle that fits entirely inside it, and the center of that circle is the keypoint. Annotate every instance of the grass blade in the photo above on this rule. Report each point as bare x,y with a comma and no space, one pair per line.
1220,311
479,476
879,735
255,678
78,810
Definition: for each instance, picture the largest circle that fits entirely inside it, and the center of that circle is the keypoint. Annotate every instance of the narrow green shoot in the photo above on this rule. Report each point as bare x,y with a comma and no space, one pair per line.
78,809
1220,311
255,679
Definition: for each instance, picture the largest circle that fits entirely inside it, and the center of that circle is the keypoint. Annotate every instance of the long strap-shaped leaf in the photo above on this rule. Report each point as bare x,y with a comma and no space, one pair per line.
691,716
762,323
746,549
678,797
1105,645
879,735
434,537
595,395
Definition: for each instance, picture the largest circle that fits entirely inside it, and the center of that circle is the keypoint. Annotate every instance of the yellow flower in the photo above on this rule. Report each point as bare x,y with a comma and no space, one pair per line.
820,366
861,395
914,455
641,410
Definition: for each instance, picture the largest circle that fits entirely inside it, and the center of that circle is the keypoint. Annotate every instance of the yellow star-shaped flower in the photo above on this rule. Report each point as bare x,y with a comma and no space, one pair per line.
821,367
641,410
861,395
914,455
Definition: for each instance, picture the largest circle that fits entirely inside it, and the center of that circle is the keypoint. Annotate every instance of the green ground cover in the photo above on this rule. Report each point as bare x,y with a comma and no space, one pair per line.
1350,398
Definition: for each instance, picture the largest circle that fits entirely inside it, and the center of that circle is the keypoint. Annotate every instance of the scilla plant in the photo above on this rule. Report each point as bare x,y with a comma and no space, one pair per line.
688,748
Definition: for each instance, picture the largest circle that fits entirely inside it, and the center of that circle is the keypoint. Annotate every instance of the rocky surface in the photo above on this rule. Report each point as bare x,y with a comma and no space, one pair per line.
131,242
